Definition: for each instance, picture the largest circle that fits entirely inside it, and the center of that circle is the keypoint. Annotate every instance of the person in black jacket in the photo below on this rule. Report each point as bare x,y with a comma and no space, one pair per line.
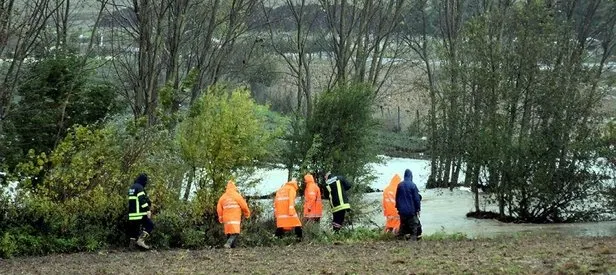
337,187
139,214
408,203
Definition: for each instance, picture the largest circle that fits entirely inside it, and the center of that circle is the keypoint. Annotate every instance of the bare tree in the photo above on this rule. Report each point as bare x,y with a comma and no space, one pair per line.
21,27
61,21
84,60
174,40
416,36
361,34
141,72
299,61
377,44
171,39
215,30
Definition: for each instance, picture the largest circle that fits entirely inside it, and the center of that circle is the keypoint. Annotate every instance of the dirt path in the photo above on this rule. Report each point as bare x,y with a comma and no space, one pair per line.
530,254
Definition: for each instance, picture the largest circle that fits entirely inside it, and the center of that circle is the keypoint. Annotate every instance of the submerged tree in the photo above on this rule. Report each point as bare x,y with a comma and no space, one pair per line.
520,106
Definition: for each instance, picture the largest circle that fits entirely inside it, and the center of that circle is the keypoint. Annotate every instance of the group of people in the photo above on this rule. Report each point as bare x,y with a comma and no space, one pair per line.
401,206
231,206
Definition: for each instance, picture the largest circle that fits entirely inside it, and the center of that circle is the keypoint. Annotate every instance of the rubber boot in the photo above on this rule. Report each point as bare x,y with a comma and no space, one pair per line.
131,243
141,240
299,234
230,241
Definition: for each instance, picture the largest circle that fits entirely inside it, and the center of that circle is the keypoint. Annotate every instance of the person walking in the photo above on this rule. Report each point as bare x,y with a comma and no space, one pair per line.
313,206
408,204
140,223
230,208
337,187
284,210
392,219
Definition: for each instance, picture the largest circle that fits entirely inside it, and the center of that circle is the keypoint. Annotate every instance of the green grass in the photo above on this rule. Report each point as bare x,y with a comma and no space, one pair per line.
438,254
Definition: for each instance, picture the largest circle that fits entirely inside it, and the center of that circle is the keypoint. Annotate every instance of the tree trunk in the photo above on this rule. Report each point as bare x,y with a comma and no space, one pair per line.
456,172
191,178
475,183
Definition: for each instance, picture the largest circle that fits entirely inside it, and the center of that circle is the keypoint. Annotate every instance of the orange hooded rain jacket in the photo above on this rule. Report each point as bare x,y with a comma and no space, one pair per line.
389,205
230,207
313,207
284,206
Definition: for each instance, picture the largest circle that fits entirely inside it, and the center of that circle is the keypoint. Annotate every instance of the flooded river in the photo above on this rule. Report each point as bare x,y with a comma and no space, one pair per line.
442,210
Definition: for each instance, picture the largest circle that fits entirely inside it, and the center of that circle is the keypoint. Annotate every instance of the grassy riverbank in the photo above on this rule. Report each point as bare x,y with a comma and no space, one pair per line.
517,254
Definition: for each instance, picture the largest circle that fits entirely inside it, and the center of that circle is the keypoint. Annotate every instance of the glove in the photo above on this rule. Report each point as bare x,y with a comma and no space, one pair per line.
149,213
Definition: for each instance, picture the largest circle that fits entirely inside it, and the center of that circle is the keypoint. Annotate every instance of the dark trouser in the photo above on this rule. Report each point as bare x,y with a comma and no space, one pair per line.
298,232
232,239
409,225
419,229
338,220
134,227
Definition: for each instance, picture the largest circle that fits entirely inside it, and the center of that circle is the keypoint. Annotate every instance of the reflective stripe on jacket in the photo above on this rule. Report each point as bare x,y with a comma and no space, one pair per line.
337,187
230,207
284,206
138,202
313,206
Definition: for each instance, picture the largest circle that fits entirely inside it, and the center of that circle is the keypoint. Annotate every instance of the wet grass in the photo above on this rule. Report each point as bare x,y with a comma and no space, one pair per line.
519,254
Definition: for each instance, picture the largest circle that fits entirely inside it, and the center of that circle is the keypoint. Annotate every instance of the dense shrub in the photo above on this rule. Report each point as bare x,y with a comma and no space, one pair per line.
39,226
225,133
340,136
74,199
57,92
342,131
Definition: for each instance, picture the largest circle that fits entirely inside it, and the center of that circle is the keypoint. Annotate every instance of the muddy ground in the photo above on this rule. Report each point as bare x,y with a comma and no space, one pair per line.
522,254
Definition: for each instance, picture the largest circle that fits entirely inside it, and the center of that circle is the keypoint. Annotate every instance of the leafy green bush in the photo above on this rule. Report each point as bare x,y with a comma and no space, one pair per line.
80,203
193,238
40,226
172,223
224,133
342,131
8,245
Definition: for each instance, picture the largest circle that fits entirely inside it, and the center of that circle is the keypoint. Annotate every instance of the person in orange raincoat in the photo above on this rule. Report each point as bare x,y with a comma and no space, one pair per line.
392,223
284,210
313,207
230,207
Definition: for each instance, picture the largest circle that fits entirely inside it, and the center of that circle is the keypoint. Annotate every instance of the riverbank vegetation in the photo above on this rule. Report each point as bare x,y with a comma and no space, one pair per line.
193,93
